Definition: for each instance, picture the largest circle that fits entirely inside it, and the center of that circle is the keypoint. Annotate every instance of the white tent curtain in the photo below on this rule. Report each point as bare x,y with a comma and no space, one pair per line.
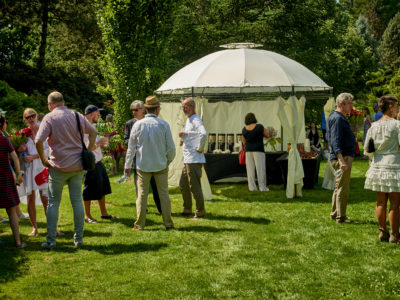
329,176
172,113
291,115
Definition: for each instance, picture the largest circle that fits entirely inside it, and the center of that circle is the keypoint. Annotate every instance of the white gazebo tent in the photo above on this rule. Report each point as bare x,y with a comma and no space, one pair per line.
228,84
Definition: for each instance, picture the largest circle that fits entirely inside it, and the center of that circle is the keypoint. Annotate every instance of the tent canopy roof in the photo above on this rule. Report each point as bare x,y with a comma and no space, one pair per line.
242,71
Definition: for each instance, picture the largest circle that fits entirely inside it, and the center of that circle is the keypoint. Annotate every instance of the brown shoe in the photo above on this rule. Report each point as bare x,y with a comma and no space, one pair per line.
136,228
346,220
384,235
185,214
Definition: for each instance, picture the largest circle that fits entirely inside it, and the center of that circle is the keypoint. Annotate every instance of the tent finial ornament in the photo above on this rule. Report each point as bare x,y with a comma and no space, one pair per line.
241,45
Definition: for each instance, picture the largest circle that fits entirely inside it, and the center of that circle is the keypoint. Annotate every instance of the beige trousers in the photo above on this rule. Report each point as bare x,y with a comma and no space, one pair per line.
143,183
190,184
342,188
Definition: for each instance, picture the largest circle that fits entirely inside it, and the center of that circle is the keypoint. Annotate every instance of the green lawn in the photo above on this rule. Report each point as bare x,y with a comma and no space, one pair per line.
251,245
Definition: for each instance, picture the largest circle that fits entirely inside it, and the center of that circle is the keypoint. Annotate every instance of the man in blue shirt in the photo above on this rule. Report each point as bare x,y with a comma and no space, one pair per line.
378,114
342,150
153,148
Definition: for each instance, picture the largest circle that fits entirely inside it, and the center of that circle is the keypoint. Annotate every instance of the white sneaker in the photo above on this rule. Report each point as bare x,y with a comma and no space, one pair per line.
265,190
24,216
3,219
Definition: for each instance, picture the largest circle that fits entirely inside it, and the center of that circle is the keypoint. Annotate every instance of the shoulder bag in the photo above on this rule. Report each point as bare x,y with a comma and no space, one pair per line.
88,159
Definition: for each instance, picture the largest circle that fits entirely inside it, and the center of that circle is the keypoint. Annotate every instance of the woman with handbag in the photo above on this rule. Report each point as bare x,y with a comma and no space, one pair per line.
253,139
382,144
34,167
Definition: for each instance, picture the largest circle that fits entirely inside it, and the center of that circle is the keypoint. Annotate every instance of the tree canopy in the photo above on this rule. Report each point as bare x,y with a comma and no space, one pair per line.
123,50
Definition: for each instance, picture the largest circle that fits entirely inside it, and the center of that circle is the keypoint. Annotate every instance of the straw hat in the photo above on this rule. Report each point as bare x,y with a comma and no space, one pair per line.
152,101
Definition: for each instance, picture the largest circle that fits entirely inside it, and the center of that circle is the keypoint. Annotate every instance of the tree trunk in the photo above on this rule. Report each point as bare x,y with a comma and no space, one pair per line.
43,34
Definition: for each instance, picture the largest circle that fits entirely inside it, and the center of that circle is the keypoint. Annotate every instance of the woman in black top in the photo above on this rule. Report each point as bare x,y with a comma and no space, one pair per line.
313,136
253,139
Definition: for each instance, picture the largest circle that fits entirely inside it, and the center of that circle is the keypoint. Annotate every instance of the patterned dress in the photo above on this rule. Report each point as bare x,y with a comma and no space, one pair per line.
8,190
383,174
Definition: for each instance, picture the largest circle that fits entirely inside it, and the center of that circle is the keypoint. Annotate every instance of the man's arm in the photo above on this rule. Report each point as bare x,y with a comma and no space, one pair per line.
203,135
336,136
131,152
40,150
171,152
127,132
92,140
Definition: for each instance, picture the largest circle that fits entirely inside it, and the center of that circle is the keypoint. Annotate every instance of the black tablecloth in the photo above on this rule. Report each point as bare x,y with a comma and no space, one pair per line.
310,166
220,166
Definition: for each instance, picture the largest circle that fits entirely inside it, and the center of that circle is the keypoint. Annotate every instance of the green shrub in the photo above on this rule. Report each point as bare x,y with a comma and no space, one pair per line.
14,103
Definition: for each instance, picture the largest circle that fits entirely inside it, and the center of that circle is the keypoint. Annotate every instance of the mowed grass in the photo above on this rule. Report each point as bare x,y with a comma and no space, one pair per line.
251,245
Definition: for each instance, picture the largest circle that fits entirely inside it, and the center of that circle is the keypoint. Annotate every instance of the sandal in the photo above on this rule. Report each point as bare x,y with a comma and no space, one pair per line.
109,217
90,221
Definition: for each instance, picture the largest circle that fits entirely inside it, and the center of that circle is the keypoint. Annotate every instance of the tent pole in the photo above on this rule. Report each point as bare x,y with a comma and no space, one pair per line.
192,91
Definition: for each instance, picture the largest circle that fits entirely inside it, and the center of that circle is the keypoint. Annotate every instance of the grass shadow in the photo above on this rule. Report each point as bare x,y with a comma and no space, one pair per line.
11,260
277,194
69,234
206,229
118,248
254,220
128,222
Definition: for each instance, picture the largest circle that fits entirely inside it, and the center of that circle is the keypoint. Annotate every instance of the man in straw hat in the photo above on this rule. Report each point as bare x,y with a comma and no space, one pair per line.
151,142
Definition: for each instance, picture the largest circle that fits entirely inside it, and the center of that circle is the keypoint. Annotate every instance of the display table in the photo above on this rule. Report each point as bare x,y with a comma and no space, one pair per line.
219,166
310,167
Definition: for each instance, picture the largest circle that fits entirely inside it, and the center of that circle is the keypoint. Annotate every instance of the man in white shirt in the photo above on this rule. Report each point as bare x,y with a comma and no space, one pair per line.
138,111
96,182
151,141
193,137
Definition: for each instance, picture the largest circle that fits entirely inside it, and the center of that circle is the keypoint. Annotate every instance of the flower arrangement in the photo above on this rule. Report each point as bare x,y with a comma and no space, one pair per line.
272,140
115,143
355,119
20,137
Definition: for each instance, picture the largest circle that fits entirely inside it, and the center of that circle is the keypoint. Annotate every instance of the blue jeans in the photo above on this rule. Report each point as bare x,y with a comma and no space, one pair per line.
57,180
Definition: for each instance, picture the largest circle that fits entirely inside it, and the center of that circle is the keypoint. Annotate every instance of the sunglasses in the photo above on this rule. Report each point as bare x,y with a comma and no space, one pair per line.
135,109
30,117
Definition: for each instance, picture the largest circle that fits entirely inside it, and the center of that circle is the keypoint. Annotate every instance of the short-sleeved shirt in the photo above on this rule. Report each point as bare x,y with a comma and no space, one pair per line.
254,139
60,128
8,191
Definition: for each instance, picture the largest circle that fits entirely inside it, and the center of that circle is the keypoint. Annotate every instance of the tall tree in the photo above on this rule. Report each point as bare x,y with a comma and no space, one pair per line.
43,33
390,48
134,35
379,13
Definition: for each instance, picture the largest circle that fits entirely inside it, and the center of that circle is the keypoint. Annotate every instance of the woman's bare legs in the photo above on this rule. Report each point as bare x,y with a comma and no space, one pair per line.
12,215
32,212
394,215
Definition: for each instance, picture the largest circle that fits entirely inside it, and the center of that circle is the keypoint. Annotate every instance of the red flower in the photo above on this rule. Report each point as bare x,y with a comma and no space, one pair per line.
355,112
27,132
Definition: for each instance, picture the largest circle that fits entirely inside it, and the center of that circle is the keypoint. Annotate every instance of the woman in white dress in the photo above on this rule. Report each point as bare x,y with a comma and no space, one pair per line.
382,144
35,167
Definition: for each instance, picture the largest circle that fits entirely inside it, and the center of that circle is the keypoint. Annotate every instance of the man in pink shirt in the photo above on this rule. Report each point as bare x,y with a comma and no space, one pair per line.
60,128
